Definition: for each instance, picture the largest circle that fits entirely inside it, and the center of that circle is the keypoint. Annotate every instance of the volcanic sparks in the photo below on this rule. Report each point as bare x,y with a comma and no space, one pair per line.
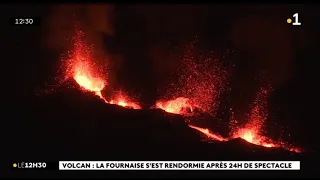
208,133
252,136
256,118
200,81
199,87
251,132
179,105
81,68
122,100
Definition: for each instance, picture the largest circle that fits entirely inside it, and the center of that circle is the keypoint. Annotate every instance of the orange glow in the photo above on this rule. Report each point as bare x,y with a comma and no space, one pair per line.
122,100
252,136
83,76
81,67
198,87
208,133
251,132
179,105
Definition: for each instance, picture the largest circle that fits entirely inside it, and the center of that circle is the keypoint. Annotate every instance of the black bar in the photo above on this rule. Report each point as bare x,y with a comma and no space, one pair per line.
25,21
34,165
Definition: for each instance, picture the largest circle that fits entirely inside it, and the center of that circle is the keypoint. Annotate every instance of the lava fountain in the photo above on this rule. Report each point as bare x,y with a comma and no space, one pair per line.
179,105
251,132
200,81
121,99
81,67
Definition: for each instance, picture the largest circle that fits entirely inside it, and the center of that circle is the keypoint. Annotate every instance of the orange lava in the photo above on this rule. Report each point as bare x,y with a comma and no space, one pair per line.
122,100
208,133
251,132
179,105
81,68
252,136
84,77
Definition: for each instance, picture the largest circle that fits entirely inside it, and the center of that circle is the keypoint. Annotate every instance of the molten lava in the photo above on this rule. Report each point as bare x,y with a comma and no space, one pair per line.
83,76
252,136
251,132
200,80
202,84
179,105
256,118
208,133
81,68
122,100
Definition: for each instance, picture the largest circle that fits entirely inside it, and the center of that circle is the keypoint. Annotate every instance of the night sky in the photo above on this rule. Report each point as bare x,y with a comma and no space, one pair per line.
146,41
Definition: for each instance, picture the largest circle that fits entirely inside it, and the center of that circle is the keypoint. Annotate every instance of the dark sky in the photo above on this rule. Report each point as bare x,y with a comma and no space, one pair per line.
146,40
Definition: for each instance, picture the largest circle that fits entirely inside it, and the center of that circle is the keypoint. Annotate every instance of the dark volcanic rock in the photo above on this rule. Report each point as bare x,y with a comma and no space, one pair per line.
77,125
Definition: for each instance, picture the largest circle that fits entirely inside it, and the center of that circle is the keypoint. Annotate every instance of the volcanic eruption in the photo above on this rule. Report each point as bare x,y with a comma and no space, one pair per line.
199,87
200,81
81,68
252,130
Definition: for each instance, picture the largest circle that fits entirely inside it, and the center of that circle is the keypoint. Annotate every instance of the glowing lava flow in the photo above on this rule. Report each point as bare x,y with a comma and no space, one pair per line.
122,100
252,136
208,133
257,116
179,105
251,132
199,84
82,75
81,68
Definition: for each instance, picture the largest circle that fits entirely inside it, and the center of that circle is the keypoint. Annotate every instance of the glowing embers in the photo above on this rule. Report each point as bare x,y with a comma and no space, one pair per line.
80,66
209,134
179,105
199,87
84,77
121,99
249,135
200,80
252,136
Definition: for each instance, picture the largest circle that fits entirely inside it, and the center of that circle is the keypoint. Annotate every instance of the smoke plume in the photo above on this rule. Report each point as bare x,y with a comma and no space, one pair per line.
95,20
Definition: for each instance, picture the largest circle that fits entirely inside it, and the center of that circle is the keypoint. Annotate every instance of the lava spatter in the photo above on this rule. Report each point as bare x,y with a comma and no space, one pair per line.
179,105
200,80
81,67
252,131
123,100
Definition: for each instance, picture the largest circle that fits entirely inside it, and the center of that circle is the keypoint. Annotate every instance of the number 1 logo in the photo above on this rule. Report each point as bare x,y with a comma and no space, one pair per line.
296,20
